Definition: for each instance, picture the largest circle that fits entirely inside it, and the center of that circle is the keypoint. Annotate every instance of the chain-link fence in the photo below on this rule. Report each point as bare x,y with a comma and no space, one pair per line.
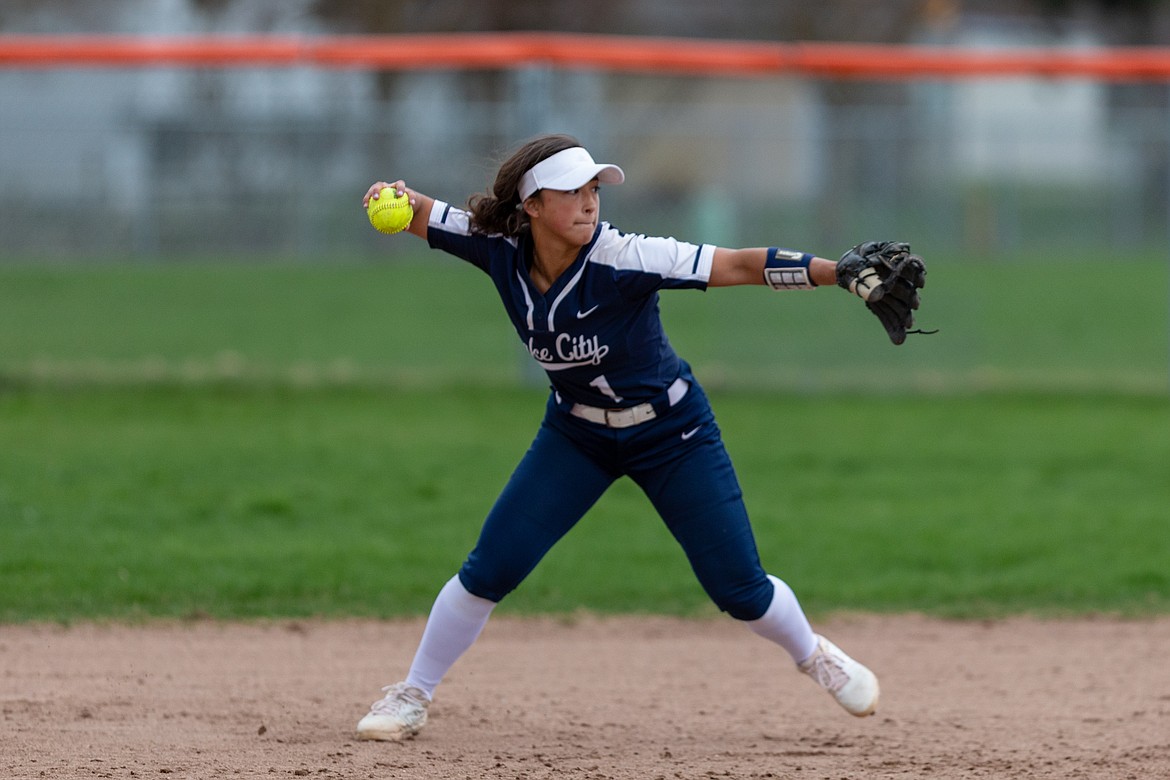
180,162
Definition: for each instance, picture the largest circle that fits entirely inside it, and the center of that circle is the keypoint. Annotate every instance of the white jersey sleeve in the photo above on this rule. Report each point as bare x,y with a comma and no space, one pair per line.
659,262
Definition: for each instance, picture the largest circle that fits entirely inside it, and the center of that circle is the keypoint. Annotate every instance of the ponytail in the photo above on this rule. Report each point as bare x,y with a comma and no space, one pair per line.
491,215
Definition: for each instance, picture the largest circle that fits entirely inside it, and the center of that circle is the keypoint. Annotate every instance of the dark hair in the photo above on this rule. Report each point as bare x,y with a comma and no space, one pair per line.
498,211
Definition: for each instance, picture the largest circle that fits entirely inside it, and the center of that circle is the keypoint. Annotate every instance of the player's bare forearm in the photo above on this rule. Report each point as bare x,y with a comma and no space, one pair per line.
421,204
746,266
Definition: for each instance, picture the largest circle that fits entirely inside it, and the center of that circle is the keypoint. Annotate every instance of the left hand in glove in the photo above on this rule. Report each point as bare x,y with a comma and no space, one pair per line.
887,277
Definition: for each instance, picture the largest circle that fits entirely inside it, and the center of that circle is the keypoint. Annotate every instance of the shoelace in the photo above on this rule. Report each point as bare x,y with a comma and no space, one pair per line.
828,672
397,696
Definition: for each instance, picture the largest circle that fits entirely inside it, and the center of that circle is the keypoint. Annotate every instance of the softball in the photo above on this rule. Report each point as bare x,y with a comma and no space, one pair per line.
390,212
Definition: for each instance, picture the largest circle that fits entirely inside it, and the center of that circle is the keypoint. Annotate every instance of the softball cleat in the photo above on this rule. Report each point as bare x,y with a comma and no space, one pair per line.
396,716
853,686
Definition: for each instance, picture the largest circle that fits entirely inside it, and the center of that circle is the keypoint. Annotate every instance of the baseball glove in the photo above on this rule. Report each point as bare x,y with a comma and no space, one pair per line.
887,277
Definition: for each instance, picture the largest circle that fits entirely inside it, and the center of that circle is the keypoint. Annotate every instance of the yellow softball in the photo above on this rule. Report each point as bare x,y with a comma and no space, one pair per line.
390,212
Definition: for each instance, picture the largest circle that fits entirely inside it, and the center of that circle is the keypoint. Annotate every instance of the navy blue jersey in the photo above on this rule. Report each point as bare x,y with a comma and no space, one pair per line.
597,331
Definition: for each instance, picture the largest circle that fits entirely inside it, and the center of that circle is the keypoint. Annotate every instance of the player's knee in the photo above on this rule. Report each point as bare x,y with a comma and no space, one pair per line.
487,584
748,601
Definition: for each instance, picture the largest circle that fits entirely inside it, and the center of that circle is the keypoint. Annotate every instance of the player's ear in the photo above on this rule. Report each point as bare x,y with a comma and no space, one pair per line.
532,207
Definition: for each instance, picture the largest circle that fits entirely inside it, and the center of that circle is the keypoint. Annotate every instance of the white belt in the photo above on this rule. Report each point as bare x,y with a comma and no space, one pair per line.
631,415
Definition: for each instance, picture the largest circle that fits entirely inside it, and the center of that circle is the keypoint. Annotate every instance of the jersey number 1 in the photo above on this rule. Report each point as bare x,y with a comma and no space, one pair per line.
602,385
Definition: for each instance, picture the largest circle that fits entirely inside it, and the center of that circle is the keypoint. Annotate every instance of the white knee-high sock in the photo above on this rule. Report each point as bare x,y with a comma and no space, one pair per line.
456,620
785,624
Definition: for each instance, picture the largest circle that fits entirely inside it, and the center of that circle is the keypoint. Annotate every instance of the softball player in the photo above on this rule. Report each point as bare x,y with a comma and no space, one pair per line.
583,298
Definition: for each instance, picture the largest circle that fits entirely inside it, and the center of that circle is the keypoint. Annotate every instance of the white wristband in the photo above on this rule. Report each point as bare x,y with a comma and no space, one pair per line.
785,269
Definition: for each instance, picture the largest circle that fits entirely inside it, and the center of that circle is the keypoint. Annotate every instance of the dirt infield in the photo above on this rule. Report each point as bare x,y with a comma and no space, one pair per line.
587,698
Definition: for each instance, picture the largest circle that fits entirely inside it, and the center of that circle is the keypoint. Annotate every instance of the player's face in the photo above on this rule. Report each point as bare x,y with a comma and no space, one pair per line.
571,215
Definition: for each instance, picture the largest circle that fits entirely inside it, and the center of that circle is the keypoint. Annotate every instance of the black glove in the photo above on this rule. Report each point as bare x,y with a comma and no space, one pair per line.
887,277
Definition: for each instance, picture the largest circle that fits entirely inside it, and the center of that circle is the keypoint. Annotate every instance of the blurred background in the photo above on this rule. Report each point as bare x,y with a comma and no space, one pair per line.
1004,182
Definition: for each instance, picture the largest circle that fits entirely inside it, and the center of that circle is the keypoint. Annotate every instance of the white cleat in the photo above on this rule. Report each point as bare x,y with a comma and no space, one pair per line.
396,716
853,686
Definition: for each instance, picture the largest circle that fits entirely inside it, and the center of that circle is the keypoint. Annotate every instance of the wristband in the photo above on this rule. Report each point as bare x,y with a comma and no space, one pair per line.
785,269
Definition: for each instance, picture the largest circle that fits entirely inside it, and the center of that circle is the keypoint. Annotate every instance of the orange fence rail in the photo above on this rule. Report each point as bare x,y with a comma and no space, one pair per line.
680,56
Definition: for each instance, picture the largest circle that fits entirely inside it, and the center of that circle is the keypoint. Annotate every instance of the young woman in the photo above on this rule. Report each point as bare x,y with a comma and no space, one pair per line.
583,298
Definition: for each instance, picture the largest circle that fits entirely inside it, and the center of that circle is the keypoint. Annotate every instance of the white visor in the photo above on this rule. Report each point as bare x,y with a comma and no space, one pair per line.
567,170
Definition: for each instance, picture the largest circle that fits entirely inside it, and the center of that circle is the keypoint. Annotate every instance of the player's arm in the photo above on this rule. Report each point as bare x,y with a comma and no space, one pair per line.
420,203
764,265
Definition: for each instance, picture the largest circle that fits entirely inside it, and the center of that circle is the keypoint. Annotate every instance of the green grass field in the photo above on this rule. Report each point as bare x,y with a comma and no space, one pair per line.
325,440
1081,325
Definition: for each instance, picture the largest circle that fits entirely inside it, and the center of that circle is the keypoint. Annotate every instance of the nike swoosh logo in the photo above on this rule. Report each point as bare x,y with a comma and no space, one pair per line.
689,434
583,314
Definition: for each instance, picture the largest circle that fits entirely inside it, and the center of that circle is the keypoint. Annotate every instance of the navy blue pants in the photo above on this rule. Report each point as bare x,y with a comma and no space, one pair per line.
680,462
